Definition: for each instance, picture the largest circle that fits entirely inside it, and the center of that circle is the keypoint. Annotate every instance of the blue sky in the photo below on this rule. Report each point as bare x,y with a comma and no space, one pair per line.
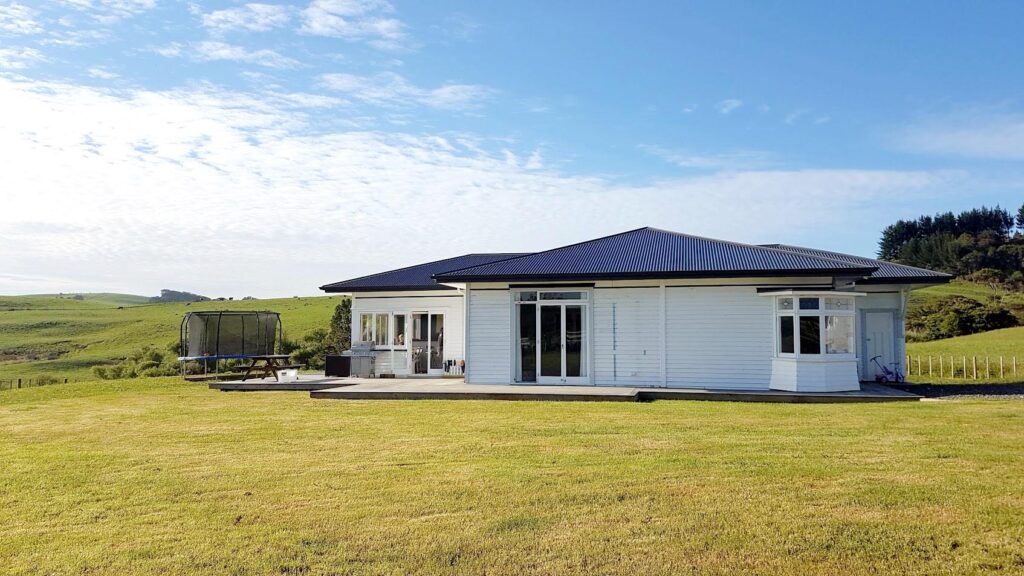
166,144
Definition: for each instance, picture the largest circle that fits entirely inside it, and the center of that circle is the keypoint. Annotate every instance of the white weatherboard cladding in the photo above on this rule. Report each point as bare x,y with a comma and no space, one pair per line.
718,337
490,337
627,336
450,305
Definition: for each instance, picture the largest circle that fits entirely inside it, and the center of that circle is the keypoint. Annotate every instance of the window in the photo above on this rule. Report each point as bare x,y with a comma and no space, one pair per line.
381,335
399,339
816,325
526,297
787,344
563,295
810,334
366,327
374,328
839,334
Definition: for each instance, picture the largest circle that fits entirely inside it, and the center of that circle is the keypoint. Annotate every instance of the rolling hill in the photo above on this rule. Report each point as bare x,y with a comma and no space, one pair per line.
62,337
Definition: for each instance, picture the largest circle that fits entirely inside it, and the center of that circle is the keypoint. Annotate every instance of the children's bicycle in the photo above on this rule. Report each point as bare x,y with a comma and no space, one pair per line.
887,374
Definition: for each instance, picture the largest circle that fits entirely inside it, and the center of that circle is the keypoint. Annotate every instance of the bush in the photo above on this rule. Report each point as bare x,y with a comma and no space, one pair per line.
956,316
145,362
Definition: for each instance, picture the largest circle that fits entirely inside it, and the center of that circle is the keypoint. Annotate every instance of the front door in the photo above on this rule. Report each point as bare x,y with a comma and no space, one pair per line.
427,344
560,339
879,340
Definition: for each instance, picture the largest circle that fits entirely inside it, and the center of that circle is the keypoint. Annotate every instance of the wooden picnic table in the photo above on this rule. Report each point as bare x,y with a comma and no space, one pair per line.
267,365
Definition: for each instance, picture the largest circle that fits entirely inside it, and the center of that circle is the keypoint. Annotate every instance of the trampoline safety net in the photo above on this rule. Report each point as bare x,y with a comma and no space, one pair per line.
229,334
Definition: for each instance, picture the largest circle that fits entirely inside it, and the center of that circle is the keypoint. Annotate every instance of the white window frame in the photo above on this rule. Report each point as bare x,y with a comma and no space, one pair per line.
586,351
796,313
373,328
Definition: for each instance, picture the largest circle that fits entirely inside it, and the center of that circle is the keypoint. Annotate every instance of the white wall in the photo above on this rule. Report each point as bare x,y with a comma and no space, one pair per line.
450,304
489,354
719,337
627,336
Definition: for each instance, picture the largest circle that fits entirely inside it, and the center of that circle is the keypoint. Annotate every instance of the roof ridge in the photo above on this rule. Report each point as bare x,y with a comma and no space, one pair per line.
791,246
543,251
745,245
368,276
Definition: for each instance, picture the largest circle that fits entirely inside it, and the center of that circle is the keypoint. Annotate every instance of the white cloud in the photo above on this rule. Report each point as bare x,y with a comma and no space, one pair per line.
737,160
19,58
111,11
142,190
211,50
18,19
101,73
388,88
971,133
252,17
727,106
354,20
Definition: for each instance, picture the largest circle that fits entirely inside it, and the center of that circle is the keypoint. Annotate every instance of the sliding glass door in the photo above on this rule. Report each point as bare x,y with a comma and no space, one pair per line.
551,330
427,344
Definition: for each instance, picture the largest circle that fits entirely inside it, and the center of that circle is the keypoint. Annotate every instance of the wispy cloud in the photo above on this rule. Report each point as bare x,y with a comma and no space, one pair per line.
736,160
993,133
110,11
211,50
388,88
18,19
354,20
101,73
250,17
19,58
728,106
213,150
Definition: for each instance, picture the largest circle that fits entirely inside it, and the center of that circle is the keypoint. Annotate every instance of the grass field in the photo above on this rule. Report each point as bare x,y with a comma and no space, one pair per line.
161,477
67,337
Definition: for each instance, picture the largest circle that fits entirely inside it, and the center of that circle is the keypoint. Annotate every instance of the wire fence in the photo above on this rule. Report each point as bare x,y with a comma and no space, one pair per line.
965,367
16,383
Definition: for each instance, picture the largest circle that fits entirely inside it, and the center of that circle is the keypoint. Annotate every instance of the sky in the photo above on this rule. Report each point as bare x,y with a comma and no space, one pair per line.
264,149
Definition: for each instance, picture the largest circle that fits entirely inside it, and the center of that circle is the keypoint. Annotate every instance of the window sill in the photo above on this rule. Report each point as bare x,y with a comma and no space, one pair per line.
818,358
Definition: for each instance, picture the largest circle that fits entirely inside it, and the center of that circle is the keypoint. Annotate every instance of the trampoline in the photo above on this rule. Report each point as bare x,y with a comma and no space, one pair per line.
229,335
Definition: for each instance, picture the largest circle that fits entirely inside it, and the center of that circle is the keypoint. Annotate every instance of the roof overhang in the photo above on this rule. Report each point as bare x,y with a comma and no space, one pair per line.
350,290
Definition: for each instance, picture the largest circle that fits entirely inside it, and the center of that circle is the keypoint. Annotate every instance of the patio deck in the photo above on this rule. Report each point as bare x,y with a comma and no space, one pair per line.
457,389
305,383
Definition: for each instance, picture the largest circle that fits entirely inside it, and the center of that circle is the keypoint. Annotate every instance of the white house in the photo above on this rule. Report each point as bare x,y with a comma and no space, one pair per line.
647,308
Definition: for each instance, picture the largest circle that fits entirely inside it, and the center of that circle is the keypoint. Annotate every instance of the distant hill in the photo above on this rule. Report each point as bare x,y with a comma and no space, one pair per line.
60,336
177,296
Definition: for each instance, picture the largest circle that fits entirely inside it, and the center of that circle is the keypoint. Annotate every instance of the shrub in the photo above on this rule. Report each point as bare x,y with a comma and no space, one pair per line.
956,316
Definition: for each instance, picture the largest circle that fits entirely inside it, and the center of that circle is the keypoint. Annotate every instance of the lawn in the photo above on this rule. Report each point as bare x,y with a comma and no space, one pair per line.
162,477
1008,343
64,338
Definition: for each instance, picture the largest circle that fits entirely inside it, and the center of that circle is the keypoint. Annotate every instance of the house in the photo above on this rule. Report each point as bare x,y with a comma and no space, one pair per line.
646,307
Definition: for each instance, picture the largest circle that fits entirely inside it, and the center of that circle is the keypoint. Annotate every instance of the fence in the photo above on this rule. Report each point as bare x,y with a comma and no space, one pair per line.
15,383
965,367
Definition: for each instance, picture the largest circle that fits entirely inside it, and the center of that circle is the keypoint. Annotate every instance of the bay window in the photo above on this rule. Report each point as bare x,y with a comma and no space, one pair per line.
815,326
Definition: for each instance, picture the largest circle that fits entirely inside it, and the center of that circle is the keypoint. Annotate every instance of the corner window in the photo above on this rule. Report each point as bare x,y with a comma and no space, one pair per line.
815,325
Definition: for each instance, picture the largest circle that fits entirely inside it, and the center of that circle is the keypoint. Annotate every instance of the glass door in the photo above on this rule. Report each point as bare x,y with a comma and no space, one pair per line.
561,343
427,343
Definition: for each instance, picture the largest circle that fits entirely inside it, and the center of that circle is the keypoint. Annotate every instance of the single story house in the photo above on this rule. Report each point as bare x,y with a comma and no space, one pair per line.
646,307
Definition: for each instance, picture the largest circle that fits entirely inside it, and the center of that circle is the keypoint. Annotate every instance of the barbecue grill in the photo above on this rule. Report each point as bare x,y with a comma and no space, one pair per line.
364,360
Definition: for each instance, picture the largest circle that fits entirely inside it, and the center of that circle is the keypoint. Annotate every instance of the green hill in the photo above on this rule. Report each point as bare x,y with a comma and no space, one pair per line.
59,336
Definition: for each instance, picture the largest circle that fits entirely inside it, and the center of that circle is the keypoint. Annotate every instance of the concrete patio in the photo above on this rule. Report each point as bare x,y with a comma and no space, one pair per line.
320,386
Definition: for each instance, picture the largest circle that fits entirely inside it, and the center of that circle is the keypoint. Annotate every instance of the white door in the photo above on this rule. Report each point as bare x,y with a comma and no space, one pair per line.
879,340
426,347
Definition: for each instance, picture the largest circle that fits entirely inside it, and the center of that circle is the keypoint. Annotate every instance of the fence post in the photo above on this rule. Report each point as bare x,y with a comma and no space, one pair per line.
1000,366
988,373
1015,365
974,367
929,366
965,367
942,373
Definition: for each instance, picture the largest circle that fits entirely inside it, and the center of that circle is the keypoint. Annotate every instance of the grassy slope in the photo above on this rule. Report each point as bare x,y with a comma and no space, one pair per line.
95,330
157,476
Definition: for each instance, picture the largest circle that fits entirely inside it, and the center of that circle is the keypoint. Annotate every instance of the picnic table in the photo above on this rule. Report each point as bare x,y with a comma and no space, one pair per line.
267,365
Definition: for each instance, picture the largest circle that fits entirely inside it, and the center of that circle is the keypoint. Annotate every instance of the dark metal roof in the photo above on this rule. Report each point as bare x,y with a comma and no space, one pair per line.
887,272
653,253
419,277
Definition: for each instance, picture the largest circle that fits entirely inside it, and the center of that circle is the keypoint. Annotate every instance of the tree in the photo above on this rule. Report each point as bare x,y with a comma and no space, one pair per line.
340,336
1020,218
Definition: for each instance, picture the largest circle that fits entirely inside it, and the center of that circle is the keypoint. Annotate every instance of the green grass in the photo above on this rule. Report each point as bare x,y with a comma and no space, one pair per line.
61,337
161,477
1007,343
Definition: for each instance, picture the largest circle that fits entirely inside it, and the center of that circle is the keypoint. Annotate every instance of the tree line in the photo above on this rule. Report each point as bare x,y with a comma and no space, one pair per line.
984,242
